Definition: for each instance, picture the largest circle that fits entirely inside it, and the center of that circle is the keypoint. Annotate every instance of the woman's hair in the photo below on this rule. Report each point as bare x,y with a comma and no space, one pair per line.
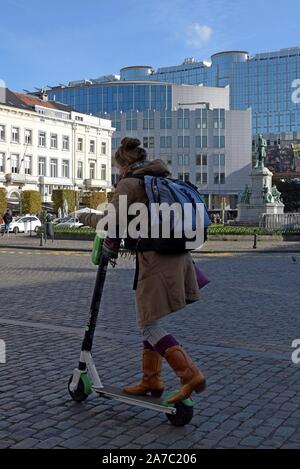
130,152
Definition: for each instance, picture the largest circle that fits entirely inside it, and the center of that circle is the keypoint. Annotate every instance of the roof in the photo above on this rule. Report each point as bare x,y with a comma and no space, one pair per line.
27,101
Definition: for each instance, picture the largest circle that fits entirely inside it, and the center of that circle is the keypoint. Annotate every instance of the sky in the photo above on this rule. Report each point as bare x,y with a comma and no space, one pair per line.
46,43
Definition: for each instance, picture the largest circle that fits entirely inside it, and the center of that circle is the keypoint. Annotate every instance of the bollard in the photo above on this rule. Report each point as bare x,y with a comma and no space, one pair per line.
255,241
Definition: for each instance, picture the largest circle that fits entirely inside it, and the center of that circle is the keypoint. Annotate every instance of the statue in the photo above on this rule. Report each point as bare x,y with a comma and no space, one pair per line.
261,152
276,194
245,197
267,195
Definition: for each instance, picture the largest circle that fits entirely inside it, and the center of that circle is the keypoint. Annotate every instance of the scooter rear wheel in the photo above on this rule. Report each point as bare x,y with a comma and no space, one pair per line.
79,395
183,416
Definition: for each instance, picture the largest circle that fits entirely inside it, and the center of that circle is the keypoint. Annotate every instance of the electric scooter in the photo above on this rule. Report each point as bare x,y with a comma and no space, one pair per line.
85,379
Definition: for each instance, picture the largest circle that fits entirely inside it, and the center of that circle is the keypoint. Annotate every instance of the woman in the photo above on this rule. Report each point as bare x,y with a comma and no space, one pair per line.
165,283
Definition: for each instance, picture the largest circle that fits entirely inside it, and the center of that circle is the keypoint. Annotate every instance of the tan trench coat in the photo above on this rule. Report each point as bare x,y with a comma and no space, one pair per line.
166,283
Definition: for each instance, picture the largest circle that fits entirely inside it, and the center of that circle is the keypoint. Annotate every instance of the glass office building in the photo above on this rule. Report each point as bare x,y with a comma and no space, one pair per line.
190,127
98,98
264,82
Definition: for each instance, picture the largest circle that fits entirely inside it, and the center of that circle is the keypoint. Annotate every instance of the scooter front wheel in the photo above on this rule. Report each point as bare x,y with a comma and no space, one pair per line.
80,394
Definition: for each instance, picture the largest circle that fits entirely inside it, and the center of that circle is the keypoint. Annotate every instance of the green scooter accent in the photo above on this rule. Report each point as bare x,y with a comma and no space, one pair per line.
87,385
188,402
97,249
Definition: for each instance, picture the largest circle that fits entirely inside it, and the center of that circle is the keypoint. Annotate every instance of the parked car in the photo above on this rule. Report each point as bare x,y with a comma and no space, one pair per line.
70,223
28,222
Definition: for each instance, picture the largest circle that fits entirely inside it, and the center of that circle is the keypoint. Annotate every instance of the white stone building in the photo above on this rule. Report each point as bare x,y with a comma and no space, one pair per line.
46,145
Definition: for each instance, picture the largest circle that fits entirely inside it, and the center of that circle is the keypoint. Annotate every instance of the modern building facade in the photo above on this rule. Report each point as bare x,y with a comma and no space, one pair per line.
46,145
209,147
266,82
190,127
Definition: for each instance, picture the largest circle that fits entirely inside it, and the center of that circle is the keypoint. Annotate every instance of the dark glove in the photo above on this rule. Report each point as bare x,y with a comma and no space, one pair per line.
110,249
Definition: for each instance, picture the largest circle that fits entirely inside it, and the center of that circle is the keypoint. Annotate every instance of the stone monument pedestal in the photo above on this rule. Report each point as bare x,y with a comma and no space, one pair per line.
261,198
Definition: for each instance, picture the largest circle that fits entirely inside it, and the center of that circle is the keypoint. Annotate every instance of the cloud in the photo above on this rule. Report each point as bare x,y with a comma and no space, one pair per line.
197,35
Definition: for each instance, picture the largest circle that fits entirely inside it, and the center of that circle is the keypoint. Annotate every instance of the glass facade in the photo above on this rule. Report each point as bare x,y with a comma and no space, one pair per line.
263,82
116,96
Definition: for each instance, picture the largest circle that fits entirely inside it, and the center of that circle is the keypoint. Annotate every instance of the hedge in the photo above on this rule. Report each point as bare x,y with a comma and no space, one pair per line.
94,199
3,200
31,202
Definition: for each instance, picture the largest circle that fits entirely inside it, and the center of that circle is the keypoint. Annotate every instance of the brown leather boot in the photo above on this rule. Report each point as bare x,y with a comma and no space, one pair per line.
151,381
191,378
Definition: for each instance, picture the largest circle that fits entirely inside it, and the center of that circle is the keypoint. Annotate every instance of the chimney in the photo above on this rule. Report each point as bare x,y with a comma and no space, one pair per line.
2,92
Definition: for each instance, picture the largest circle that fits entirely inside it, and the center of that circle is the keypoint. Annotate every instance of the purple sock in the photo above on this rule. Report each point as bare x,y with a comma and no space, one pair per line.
163,344
147,345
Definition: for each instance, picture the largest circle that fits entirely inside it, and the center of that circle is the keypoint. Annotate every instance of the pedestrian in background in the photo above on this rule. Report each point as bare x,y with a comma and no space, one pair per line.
7,218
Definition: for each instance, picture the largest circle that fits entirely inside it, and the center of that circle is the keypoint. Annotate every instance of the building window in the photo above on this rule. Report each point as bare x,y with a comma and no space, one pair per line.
79,118
183,120
219,178
201,123
103,172
53,141
92,170
80,144
166,142
92,146
53,168
115,142
27,164
65,142
2,162
28,137
148,121
14,163
166,120
183,142
219,160
148,142
15,135
219,142
183,160
201,178
2,133
184,176
42,139
201,160
79,170
131,120
42,166
103,148
201,142
65,169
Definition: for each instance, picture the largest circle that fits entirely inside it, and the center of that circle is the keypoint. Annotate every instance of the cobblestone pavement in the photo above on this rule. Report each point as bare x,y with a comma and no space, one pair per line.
240,333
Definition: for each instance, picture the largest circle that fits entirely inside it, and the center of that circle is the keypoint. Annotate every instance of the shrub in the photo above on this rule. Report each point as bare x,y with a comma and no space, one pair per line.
31,201
3,200
94,199
75,230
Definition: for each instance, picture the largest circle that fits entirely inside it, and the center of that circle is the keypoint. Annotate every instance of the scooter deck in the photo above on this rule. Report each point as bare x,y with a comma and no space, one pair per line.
153,403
